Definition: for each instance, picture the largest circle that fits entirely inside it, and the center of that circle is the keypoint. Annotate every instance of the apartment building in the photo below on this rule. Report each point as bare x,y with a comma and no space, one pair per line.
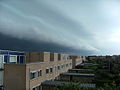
7,56
38,67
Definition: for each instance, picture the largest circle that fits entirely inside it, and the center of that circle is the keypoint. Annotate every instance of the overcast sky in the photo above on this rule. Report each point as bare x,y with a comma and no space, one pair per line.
87,25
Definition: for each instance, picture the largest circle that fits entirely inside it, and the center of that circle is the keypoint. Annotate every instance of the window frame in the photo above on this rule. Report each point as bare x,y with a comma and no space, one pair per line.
10,59
51,68
39,73
48,70
58,67
34,76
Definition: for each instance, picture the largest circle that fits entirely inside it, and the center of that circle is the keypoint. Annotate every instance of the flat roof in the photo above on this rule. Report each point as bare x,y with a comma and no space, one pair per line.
12,51
8,52
47,52
32,63
53,83
78,74
88,64
88,85
61,83
81,69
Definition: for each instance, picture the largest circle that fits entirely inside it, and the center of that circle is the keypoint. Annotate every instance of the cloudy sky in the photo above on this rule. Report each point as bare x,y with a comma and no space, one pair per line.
74,25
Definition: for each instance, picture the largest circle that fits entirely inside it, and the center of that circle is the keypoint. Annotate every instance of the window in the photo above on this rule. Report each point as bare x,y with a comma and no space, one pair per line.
34,88
47,71
1,58
55,68
59,56
61,66
18,59
51,70
1,62
39,73
66,65
32,75
22,59
13,58
51,56
58,67
37,88
40,88
6,58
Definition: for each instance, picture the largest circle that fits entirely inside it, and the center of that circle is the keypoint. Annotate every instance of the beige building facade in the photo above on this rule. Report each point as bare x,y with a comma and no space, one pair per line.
77,60
38,67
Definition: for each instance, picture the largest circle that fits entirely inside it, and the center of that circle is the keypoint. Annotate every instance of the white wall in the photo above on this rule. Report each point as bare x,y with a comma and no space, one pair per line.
1,78
1,61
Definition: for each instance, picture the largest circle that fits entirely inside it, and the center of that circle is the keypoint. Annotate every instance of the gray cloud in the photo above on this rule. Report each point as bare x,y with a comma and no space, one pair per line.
38,21
11,43
80,25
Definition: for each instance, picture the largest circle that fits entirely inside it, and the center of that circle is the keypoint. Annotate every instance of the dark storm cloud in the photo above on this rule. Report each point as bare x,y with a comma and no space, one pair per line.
11,43
39,22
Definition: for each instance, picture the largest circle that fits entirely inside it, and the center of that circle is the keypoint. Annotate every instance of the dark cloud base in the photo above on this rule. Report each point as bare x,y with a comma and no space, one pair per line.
11,43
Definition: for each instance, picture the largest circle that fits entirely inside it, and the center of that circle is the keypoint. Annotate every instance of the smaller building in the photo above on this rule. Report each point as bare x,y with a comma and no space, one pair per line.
81,71
88,64
77,77
50,85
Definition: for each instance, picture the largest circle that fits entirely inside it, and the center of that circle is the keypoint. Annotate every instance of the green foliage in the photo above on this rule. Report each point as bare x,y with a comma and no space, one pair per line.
76,86
71,86
107,75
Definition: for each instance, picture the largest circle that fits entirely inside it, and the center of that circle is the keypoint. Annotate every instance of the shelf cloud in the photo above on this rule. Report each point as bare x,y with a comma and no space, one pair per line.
59,23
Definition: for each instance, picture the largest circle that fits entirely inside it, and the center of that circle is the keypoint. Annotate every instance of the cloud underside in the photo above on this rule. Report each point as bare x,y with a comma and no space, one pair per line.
11,43
39,22
61,26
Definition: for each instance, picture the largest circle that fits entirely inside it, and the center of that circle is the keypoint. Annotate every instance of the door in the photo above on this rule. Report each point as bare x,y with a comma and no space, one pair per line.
1,61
